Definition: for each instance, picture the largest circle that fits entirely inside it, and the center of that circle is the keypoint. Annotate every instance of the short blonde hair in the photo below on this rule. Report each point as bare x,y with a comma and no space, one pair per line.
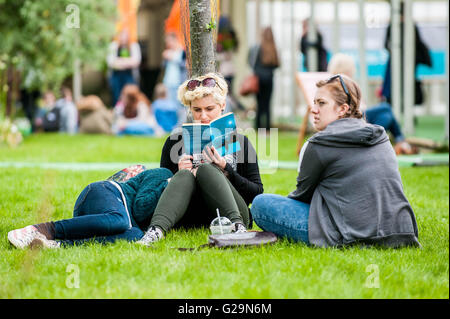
342,63
218,92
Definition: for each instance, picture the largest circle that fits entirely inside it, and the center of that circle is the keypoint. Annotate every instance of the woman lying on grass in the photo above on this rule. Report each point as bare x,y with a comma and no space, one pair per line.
226,183
104,212
349,189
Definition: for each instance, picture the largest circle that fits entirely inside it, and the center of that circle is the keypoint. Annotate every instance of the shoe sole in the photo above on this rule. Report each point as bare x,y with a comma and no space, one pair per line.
144,244
147,243
40,243
36,244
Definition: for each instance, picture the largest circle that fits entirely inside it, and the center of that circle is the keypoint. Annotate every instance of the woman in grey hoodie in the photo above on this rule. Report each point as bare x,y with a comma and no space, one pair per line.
349,189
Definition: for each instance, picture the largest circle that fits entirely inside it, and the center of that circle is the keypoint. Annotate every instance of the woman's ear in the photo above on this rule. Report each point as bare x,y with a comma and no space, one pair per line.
343,109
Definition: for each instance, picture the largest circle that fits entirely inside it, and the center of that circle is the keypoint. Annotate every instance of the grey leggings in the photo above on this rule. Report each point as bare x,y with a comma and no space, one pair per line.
210,184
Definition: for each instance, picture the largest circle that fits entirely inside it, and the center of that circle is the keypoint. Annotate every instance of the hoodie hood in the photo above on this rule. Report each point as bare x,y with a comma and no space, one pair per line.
350,132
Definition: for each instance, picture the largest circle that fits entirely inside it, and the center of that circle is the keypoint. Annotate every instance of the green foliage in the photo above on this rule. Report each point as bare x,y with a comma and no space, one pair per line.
46,38
212,25
9,133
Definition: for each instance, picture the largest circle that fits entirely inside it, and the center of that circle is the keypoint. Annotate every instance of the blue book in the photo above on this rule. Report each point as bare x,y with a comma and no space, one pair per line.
220,133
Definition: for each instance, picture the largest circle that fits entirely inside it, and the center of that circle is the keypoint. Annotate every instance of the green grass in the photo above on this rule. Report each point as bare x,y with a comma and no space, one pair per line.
432,127
124,270
101,148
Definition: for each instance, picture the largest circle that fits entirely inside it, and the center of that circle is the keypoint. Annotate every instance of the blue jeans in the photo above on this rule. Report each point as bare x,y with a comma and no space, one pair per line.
99,215
285,217
382,115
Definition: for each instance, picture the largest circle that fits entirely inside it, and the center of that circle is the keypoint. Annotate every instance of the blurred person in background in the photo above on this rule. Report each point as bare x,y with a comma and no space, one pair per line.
305,44
174,65
28,99
133,114
48,116
422,56
263,58
165,109
68,112
124,58
227,45
95,118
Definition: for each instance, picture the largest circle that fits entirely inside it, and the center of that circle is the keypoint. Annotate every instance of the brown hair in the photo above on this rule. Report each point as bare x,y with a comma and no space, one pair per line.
131,96
269,55
340,97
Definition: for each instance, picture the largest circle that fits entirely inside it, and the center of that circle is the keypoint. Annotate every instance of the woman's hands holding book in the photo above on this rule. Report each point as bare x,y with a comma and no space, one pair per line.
212,156
185,162
209,154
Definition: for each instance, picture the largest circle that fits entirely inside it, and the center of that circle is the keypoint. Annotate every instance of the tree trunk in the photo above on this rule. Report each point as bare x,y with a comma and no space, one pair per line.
77,84
202,29
10,91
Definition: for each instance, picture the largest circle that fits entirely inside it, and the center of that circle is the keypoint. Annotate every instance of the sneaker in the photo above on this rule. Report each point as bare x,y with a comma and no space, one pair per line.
21,238
239,228
404,148
42,242
152,235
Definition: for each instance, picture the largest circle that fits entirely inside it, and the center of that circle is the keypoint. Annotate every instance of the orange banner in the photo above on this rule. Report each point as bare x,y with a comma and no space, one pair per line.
127,10
173,22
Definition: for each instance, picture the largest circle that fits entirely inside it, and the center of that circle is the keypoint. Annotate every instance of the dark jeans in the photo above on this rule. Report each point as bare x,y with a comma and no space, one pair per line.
118,80
263,98
382,115
177,204
99,215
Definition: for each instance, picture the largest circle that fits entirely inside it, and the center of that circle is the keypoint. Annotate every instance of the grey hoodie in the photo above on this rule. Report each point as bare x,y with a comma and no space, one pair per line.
349,175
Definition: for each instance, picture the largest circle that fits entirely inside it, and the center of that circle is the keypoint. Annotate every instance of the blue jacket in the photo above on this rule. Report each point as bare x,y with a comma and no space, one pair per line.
142,193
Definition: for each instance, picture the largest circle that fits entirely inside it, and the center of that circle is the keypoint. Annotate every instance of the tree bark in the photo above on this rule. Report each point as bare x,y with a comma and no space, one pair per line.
77,83
201,32
10,91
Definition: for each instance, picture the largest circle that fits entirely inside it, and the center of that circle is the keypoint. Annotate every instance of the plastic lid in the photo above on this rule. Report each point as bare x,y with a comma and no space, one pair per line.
223,220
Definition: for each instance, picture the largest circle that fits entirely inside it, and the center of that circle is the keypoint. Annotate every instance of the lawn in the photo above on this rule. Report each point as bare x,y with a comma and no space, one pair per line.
123,270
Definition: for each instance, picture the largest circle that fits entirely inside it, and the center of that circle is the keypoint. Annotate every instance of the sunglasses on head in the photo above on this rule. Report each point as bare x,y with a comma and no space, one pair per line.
338,76
208,82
